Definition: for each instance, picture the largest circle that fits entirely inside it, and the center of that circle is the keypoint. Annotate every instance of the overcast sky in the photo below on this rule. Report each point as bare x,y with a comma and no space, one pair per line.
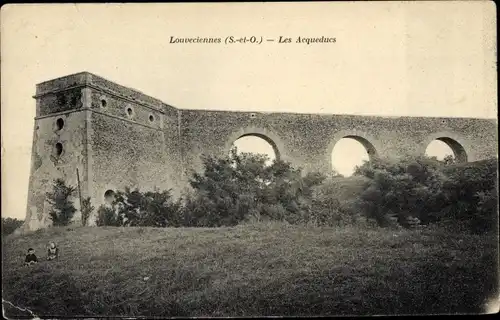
413,59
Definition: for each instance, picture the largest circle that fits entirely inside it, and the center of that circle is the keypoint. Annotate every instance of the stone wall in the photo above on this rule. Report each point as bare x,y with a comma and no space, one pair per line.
307,140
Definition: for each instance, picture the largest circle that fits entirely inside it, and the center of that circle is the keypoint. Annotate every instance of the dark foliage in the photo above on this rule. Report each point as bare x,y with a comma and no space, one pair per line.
414,191
141,209
401,191
106,216
242,187
471,195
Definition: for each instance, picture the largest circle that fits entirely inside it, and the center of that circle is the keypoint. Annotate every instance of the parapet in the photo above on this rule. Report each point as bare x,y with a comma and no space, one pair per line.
87,79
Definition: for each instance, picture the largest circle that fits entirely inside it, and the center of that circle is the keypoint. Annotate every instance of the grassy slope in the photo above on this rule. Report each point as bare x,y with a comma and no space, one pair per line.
249,270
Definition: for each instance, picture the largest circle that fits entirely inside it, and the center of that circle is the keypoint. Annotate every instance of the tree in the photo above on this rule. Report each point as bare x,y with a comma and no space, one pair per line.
147,209
62,206
470,193
401,190
239,186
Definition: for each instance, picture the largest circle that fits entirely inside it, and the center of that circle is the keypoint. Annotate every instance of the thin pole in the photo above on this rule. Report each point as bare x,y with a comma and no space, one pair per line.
79,191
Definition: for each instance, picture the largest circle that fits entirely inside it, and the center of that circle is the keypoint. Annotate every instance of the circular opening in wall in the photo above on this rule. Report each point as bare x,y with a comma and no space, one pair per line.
151,118
58,149
109,196
59,123
103,103
253,115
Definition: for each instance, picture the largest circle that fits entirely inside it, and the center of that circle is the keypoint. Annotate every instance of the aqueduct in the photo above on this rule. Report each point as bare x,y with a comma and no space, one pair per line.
102,137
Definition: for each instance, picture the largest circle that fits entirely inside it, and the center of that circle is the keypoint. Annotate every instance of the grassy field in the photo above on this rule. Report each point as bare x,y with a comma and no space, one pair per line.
250,270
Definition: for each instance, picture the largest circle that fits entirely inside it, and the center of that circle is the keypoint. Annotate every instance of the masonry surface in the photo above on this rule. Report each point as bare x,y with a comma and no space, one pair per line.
109,137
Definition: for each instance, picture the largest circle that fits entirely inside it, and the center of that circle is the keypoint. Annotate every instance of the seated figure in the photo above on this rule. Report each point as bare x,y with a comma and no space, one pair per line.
52,252
30,257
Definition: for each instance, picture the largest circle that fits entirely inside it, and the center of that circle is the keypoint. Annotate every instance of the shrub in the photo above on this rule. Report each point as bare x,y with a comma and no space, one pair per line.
146,209
106,216
62,206
9,225
142,209
87,209
470,190
334,201
401,191
415,191
233,188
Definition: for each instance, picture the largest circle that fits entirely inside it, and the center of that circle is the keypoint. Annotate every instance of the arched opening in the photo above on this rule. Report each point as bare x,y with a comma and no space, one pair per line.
445,148
109,196
349,152
257,144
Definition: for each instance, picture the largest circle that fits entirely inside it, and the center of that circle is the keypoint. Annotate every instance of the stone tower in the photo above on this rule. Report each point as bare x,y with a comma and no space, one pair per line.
102,135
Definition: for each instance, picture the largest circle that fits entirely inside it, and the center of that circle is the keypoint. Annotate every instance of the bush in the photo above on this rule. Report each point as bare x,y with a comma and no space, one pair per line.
141,209
9,225
400,191
414,191
233,188
148,209
332,201
470,190
62,206
106,216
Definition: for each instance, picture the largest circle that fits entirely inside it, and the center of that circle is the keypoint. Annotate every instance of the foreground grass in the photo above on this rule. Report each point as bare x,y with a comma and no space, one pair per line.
249,271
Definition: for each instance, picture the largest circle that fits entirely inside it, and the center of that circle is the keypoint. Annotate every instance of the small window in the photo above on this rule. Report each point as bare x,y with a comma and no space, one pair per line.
103,103
151,118
252,115
59,123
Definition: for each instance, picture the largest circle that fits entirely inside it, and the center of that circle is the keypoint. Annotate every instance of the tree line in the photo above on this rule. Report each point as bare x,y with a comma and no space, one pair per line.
411,192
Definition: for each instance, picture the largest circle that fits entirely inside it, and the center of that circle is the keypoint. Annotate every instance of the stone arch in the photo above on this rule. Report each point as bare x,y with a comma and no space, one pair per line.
265,134
458,144
370,144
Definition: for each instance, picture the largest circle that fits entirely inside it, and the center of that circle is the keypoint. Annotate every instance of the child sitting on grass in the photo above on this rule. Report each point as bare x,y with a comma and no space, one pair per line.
30,257
53,252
